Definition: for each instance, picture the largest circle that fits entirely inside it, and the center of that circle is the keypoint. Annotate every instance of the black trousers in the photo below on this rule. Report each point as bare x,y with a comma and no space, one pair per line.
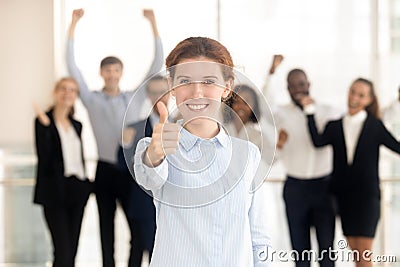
65,221
309,204
111,186
143,240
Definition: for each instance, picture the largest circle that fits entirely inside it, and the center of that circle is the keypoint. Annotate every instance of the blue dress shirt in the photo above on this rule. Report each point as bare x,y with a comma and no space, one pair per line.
206,213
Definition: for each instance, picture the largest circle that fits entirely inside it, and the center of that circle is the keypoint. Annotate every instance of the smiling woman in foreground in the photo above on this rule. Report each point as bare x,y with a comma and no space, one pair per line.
200,177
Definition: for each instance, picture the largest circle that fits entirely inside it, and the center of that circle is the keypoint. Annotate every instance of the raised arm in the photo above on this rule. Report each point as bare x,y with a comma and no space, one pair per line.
319,140
388,140
41,116
43,145
390,115
73,69
276,61
149,14
158,59
77,14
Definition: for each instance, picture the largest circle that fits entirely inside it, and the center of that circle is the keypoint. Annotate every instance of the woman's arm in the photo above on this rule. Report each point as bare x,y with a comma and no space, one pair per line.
43,145
319,140
261,242
151,178
388,140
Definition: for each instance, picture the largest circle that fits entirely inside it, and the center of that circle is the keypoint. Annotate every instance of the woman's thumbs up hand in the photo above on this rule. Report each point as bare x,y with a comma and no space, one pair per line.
165,139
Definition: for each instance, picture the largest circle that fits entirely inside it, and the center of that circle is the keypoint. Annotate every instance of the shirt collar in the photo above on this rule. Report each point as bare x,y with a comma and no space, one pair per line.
189,140
358,117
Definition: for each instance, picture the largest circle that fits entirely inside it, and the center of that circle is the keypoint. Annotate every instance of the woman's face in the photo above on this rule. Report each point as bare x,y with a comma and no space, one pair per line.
198,86
359,97
242,106
66,94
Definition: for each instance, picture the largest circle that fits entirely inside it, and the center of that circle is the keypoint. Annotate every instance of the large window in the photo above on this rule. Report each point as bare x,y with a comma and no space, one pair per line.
395,25
330,39
333,40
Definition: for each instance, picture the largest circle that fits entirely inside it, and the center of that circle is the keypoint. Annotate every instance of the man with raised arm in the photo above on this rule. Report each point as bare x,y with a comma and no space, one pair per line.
106,109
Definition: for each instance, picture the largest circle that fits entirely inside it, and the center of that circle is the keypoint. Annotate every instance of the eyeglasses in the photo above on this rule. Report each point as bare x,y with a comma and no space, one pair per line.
67,89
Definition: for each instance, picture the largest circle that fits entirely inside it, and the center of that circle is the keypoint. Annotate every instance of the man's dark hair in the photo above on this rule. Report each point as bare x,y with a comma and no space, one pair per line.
110,60
295,71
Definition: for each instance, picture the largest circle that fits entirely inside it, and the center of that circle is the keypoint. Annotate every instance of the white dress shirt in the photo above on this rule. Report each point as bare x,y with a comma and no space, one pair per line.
71,151
264,140
352,126
249,132
298,155
205,214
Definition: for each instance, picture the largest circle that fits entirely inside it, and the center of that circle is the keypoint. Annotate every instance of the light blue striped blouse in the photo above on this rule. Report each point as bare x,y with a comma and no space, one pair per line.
205,212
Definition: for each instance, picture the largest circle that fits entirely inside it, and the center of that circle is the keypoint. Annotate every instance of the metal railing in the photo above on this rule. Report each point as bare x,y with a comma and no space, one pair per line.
389,204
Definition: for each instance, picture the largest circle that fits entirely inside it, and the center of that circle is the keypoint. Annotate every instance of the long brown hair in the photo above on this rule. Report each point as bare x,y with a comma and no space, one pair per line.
373,108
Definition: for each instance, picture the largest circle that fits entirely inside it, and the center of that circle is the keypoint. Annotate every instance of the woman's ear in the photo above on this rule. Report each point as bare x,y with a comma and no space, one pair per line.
226,93
228,88
229,84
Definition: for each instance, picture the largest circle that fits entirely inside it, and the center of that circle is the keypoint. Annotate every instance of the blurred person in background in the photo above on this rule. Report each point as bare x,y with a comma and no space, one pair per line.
305,193
355,139
106,109
61,184
141,210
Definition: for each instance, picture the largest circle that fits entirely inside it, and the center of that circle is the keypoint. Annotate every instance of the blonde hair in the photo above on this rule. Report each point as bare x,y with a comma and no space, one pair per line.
57,87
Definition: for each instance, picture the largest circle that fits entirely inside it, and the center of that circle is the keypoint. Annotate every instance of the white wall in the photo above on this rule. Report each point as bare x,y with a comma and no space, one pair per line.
26,68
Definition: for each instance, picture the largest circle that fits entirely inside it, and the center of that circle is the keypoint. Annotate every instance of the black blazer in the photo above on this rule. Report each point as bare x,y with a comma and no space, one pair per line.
140,204
51,188
361,177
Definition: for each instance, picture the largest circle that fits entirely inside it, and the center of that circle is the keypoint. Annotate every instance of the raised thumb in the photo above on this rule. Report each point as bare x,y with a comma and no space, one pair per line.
163,111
